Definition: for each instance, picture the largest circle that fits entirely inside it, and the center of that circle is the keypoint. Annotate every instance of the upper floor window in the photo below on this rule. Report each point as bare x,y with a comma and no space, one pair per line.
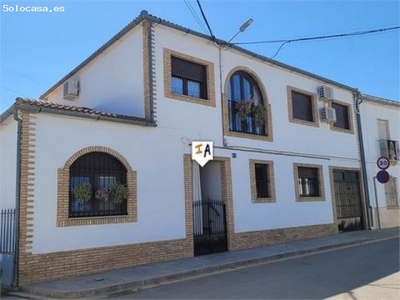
98,186
342,116
302,107
188,78
246,105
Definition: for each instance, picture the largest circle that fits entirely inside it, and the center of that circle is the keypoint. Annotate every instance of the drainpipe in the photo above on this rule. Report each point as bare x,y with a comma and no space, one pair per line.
358,101
17,199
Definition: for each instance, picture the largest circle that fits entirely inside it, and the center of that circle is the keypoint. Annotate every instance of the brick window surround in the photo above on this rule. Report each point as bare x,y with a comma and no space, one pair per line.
268,114
313,106
271,181
63,219
350,128
210,78
321,190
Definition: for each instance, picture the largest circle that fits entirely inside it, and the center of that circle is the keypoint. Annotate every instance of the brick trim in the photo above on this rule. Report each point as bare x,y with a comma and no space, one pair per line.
225,111
63,219
299,198
146,71
314,106
210,101
271,179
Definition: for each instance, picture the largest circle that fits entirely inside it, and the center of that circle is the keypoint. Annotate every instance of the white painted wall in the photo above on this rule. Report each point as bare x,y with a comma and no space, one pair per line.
157,153
370,113
161,214
8,163
113,81
210,178
326,147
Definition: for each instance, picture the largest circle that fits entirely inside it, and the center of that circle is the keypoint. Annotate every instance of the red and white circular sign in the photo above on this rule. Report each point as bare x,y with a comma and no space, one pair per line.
383,163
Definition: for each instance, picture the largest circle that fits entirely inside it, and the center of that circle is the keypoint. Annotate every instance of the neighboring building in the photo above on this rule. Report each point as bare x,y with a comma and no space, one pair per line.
282,169
380,121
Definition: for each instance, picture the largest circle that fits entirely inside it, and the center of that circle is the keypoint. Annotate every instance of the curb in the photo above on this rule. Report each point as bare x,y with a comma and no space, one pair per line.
136,285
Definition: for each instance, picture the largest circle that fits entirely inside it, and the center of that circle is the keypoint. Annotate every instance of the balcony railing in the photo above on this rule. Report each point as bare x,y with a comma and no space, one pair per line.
245,124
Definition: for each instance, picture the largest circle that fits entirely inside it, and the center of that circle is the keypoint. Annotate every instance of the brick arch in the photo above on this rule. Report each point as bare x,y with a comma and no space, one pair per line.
256,78
63,192
87,150
225,114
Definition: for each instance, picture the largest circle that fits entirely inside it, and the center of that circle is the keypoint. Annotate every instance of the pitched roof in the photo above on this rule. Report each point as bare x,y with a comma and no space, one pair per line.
71,110
144,15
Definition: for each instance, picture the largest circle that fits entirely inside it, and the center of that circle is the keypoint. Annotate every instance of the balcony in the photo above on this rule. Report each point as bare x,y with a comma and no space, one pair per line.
390,149
245,122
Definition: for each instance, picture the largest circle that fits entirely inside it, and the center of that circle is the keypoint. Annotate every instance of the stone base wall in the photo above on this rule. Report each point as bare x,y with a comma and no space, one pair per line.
247,240
42,267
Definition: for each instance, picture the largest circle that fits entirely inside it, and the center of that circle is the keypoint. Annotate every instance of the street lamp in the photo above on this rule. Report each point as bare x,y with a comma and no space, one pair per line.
242,28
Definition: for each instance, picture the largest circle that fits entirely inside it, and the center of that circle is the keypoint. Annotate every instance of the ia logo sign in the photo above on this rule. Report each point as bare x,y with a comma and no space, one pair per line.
202,152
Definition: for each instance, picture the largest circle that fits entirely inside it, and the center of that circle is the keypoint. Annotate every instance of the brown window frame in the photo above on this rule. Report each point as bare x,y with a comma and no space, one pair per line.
254,182
300,185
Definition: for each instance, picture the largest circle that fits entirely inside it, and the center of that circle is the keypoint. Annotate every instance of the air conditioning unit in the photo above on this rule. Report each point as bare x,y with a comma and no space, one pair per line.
71,89
328,114
325,93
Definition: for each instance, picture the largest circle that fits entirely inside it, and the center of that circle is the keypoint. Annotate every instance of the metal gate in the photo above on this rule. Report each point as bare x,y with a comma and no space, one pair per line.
348,200
209,227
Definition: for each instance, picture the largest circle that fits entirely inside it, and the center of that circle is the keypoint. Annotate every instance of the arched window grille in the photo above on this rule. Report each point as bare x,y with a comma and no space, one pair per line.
93,180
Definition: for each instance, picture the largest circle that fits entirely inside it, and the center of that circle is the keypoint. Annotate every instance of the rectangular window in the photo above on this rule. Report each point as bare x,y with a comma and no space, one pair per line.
262,181
342,116
188,78
302,107
309,184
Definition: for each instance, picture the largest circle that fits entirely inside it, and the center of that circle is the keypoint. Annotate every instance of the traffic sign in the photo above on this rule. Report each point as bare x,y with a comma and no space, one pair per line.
383,176
383,163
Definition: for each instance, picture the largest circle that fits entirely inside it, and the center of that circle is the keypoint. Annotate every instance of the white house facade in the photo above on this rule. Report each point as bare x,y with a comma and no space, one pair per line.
380,121
104,171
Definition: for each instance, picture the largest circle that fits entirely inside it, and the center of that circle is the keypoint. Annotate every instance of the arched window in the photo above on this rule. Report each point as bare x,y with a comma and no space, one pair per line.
97,186
246,105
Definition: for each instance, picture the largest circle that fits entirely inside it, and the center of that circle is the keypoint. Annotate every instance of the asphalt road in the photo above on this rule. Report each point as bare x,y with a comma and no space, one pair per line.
368,271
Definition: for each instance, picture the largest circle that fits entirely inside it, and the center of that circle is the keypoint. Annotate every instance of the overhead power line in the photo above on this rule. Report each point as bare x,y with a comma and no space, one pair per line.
320,37
194,14
205,19
284,42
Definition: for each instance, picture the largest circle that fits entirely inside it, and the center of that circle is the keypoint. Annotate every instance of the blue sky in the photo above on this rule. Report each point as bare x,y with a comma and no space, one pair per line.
37,49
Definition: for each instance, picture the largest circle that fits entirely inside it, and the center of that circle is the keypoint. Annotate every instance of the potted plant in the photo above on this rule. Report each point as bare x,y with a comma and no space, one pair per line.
119,192
259,113
83,192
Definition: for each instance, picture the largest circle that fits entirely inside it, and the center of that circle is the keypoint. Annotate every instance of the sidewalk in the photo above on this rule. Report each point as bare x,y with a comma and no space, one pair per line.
147,275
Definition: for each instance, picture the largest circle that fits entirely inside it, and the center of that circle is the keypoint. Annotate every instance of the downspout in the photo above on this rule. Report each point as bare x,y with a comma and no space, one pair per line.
358,101
150,55
17,198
